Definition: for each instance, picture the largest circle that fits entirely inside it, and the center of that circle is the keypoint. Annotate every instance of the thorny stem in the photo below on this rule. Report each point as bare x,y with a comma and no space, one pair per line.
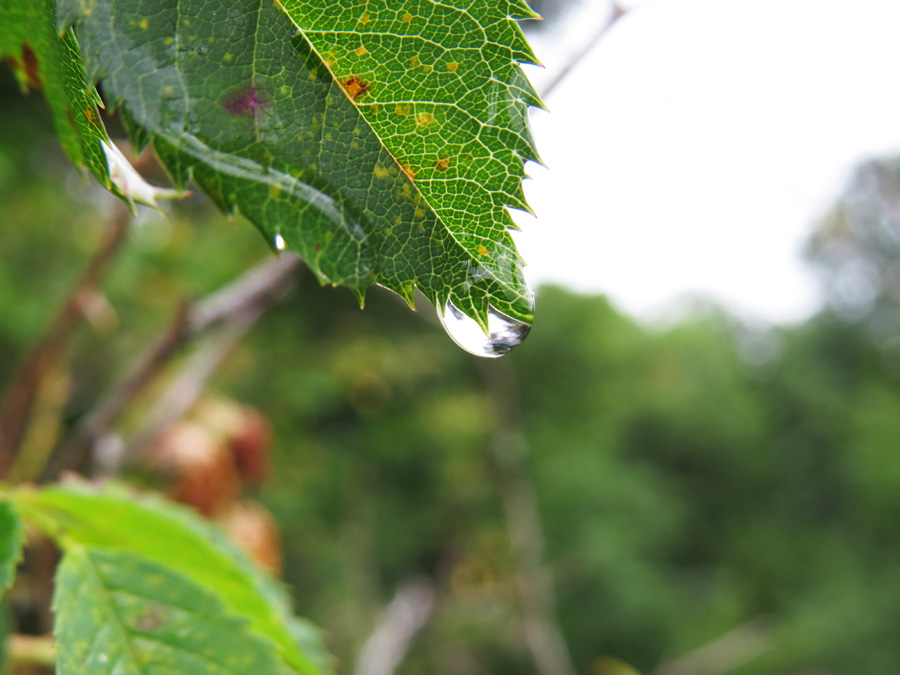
248,296
18,402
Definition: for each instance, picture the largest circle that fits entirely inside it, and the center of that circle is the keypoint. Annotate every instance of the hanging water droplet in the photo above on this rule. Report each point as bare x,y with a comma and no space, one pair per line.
279,242
504,333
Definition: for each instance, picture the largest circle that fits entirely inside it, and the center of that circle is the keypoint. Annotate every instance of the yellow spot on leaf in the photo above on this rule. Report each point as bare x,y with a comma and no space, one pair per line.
442,164
423,119
419,213
361,51
145,24
452,66
482,250
382,172
402,110
228,57
407,17
364,19
313,74
427,68
414,62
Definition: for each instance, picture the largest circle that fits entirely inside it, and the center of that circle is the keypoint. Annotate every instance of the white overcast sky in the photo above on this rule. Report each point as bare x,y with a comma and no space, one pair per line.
692,149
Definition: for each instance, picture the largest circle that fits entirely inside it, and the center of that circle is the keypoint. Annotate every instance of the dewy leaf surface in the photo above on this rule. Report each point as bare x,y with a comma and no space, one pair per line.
117,613
372,173
176,539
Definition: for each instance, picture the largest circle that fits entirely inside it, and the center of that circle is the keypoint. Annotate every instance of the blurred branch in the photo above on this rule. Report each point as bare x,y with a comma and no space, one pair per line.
535,585
18,403
616,13
724,654
395,629
187,387
32,650
235,307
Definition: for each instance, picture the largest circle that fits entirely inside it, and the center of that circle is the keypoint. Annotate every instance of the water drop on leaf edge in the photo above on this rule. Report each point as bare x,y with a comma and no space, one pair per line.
503,335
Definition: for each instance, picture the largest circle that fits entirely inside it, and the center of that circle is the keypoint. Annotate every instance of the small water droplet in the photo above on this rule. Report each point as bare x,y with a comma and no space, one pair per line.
279,242
504,332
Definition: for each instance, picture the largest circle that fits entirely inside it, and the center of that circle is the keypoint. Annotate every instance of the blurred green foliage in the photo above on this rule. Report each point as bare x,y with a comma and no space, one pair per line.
691,480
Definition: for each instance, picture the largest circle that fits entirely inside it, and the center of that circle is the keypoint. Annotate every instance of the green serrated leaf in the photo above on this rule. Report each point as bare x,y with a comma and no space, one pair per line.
12,539
120,613
401,180
45,59
177,539
440,85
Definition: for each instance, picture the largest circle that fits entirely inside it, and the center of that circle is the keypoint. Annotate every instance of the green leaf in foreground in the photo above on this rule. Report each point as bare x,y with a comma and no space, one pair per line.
402,181
118,613
177,540
12,539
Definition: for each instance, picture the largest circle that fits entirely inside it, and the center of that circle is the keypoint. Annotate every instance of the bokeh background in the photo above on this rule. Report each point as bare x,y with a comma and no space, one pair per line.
706,494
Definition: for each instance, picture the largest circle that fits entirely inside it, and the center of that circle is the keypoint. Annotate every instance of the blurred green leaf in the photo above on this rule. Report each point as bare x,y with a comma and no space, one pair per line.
12,538
178,540
119,613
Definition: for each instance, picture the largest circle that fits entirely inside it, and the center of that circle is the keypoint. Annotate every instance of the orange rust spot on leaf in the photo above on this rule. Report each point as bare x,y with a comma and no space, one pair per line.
452,66
355,87
409,171
89,114
442,164
427,68
407,17
361,51
482,250
365,18
30,61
